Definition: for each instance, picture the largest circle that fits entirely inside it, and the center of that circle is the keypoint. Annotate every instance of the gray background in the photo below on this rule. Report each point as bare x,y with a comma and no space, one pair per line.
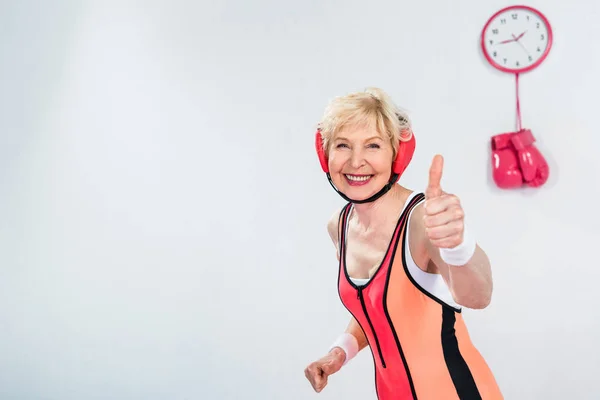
162,210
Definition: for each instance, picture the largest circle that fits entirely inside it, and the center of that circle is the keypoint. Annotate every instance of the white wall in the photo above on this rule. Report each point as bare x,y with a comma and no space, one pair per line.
163,213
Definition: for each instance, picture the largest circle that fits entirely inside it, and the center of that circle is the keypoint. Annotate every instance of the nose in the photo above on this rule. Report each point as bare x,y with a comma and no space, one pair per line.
357,159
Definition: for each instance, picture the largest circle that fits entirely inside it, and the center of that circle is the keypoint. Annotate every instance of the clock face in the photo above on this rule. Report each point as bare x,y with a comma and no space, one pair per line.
516,39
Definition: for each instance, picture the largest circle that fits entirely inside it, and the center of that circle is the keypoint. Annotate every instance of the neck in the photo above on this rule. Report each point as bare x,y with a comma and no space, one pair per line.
378,212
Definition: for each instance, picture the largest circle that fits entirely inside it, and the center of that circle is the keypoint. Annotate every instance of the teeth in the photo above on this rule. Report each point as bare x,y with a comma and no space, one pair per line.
358,178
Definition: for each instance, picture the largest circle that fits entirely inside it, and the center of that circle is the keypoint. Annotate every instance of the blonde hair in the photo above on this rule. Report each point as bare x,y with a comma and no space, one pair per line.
371,106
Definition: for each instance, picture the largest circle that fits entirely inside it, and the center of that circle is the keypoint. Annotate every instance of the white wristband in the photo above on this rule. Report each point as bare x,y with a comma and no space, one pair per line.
461,254
348,343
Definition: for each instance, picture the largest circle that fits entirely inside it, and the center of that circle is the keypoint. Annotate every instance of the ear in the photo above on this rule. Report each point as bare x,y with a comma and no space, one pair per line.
406,135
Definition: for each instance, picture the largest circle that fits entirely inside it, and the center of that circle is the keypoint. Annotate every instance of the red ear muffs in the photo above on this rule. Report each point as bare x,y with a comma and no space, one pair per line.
403,157
405,154
321,151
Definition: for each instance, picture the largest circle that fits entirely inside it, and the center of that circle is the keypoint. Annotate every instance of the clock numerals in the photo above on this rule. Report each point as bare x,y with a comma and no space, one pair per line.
516,39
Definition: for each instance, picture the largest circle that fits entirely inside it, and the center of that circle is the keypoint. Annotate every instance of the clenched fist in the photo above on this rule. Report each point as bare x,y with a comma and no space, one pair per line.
444,215
318,371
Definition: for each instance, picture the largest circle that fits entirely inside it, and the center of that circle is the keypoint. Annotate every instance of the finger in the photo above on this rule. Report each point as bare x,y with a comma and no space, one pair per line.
440,204
320,383
308,376
312,372
447,243
445,231
434,188
452,213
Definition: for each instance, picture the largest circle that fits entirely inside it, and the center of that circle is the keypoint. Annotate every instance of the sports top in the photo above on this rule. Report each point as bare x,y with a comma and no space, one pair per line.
420,345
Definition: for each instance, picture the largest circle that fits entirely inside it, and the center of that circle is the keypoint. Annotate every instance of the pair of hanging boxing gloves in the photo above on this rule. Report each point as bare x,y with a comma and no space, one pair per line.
516,161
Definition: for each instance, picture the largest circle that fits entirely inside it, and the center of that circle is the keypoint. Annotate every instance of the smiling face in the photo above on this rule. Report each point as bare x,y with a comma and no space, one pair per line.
360,160
361,133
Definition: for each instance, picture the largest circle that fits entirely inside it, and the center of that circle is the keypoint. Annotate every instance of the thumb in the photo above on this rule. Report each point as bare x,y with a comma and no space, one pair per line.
434,188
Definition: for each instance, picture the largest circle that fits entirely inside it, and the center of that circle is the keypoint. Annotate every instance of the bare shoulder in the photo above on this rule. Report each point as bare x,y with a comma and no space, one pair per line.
332,226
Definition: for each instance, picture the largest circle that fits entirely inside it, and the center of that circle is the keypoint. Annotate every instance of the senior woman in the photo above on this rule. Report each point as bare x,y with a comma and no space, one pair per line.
407,265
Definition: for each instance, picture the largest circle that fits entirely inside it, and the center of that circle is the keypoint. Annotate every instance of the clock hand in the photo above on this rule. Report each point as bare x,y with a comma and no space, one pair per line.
514,39
519,37
517,40
508,41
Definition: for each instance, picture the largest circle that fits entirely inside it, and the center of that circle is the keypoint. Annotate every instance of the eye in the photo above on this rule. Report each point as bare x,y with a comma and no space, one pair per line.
374,146
341,145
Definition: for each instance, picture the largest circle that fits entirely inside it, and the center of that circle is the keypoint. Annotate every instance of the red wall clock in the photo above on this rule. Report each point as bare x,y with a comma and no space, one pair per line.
516,39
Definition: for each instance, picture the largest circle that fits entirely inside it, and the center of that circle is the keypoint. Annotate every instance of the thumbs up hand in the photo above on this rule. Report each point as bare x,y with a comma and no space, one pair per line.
444,215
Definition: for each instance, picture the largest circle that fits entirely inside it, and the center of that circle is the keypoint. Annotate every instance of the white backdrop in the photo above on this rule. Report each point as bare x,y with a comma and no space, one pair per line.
162,211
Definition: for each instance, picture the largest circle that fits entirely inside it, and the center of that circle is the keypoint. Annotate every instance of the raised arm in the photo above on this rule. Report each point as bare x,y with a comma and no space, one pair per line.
439,226
469,282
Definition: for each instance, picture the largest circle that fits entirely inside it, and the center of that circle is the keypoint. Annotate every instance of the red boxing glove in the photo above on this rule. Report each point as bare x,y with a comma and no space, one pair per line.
533,165
516,161
505,165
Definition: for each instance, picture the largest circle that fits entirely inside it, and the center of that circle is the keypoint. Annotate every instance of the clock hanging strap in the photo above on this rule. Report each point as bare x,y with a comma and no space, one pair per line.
519,124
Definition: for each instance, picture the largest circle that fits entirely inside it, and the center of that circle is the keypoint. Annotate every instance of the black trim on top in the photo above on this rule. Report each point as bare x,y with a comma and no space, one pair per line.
457,366
404,218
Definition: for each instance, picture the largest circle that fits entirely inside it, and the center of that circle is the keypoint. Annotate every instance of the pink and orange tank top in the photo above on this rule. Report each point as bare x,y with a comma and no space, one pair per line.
420,345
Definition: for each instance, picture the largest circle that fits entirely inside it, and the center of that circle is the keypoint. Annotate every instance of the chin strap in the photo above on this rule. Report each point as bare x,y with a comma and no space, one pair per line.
377,195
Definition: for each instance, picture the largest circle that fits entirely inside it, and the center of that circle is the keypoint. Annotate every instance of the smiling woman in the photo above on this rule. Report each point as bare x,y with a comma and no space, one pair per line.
407,264
363,143
365,124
